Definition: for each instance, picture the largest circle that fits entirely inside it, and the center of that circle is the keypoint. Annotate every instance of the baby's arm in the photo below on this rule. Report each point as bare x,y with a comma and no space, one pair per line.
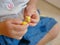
33,2
32,5
31,10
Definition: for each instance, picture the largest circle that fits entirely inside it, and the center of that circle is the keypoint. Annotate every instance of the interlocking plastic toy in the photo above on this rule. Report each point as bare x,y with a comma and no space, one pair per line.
26,21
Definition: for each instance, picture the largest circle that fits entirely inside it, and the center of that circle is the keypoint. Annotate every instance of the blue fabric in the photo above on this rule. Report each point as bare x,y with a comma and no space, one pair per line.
33,35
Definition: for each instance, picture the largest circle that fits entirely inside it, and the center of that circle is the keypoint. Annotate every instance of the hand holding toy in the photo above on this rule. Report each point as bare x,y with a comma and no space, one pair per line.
26,21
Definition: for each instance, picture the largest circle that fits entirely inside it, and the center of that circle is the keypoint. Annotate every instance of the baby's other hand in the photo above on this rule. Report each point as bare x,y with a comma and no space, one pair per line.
33,15
12,28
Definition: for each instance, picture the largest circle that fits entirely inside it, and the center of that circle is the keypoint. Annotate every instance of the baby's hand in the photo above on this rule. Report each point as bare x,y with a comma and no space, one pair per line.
34,19
27,20
12,28
33,15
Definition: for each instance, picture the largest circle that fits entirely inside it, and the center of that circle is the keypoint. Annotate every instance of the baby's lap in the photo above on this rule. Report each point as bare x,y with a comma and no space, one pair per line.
34,34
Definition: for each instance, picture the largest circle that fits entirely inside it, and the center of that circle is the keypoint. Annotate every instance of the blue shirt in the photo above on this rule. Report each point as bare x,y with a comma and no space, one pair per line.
33,35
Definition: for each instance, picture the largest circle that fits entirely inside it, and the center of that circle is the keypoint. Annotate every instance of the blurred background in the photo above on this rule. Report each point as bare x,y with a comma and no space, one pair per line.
51,8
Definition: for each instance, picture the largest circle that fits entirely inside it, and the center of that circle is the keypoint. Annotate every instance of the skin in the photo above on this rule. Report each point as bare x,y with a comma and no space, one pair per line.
13,28
52,34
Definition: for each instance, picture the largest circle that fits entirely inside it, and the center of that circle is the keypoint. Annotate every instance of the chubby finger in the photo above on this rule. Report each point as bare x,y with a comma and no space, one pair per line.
13,21
20,33
34,21
32,24
35,16
17,21
19,27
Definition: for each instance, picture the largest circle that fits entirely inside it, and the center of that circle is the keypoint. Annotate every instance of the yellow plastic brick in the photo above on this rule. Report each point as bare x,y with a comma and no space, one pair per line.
24,23
27,19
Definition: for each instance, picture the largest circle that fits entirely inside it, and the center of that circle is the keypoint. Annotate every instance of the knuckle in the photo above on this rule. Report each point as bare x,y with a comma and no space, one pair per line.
7,21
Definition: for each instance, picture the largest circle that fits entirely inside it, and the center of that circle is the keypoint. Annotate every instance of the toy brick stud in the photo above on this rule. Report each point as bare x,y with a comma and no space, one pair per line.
24,23
27,19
